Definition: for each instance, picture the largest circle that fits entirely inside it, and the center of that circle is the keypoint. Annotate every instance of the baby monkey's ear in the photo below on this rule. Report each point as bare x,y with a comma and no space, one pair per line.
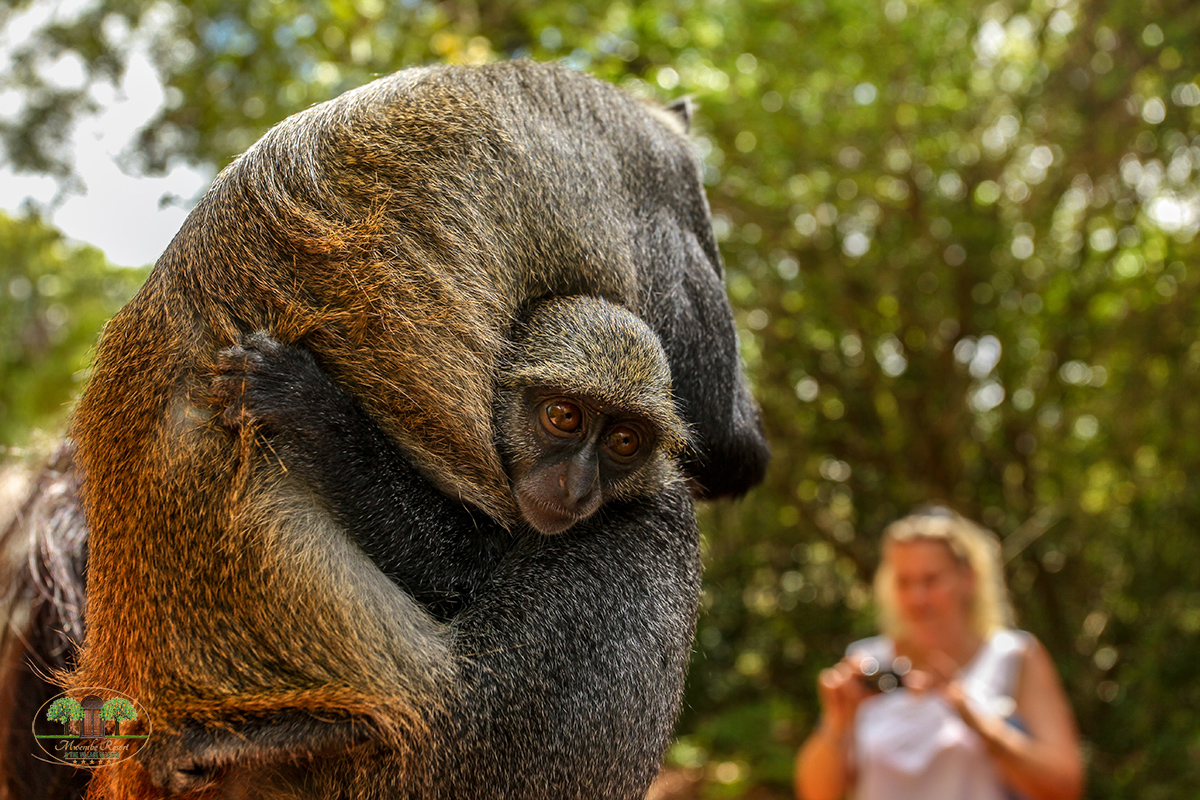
683,108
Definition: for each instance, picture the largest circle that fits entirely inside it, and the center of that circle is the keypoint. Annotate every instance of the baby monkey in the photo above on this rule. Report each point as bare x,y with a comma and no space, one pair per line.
583,416
584,412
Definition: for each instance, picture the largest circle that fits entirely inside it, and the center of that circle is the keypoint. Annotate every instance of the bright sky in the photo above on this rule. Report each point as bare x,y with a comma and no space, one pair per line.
115,210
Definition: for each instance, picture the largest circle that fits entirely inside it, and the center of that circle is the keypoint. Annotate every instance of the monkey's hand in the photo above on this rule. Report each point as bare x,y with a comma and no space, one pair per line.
269,384
321,436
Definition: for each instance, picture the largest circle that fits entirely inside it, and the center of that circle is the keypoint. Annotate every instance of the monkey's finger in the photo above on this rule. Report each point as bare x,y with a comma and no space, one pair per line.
262,342
236,359
228,386
234,416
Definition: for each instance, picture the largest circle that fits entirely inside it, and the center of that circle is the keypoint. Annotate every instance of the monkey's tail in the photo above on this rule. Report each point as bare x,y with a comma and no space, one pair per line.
43,554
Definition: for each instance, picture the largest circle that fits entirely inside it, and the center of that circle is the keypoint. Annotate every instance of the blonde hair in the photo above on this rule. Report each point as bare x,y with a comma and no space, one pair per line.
971,545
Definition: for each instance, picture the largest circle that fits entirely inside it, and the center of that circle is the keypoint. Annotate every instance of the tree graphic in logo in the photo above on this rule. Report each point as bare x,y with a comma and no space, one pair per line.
117,709
65,710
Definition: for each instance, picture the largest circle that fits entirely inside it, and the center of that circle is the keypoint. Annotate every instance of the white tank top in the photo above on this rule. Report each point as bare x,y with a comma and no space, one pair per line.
916,747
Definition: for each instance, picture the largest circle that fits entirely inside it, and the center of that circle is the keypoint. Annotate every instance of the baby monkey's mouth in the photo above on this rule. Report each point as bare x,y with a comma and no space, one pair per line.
547,517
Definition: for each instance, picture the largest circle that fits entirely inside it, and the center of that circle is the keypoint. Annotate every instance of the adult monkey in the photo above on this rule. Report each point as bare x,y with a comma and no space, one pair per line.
396,232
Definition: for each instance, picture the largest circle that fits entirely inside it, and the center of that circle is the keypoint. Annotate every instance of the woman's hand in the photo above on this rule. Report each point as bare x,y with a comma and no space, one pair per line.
825,764
841,692
1042,761
941,675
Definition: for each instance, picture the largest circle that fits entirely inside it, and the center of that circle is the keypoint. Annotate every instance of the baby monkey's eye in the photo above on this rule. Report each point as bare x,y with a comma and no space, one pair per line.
563,416
624,441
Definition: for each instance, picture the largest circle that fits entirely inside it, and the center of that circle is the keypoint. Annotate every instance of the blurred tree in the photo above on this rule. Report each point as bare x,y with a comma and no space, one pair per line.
54,297
962,235
961,240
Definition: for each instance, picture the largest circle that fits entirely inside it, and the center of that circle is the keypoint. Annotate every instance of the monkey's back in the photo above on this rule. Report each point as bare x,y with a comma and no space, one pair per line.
398,229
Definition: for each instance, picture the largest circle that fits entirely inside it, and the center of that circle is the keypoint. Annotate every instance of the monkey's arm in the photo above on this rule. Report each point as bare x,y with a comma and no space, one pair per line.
433,548
551,654
576,650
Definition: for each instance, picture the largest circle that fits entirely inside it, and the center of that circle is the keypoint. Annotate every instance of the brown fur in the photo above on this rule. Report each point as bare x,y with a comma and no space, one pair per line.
43,546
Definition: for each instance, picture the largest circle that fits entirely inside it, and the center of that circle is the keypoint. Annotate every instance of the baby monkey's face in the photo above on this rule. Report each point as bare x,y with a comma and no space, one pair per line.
584,412
575,453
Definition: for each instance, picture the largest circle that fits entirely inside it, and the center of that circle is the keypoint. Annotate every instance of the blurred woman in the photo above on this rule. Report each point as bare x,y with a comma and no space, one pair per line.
950,703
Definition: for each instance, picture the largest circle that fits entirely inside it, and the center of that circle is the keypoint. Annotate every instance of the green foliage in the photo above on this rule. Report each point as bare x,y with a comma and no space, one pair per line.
960,239
961,278
118,708
54,296
64,710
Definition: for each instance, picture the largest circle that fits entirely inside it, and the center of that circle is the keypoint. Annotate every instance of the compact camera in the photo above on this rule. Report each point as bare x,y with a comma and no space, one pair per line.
879,678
